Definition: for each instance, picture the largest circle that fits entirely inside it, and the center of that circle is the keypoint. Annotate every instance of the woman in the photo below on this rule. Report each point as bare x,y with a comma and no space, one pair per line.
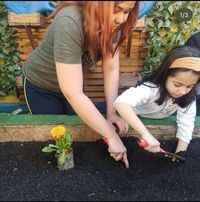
81,34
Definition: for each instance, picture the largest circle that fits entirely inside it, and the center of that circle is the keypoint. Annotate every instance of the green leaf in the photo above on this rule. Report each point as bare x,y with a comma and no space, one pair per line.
15,59
48,149
2,30
2,93
160,24
53,146
179,3
170,9
6,51
4,22
167,23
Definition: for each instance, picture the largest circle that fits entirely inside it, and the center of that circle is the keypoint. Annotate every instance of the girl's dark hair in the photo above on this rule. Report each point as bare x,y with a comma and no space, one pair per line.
160,75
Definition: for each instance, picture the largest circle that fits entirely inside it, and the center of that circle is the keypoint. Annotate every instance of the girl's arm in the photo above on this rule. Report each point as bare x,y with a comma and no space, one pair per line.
129,115
185,122
111,85
70,79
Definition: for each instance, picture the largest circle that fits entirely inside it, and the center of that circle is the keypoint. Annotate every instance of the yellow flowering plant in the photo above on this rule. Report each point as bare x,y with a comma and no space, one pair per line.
63,142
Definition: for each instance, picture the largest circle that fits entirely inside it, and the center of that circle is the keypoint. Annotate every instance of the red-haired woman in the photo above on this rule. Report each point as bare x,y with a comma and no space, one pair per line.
82,33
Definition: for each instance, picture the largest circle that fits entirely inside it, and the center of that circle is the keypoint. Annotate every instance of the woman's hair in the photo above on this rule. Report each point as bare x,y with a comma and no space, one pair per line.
160,75
98,25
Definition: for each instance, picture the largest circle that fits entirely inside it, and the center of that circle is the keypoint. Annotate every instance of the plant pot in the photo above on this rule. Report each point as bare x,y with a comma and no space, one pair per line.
69,161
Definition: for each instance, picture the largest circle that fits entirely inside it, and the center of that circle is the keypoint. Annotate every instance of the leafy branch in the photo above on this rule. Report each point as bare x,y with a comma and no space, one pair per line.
165,31
9,56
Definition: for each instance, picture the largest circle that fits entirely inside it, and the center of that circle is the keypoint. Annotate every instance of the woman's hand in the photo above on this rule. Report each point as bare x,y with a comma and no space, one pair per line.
121,124
117,149
153,143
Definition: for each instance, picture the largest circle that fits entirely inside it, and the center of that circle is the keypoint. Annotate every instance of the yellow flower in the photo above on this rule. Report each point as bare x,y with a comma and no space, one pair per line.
1,62
194,23
164,41
57,132
162,32
174,29
186,35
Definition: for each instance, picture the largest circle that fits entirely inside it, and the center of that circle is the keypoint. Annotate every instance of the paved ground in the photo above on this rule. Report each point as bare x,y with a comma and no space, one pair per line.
27,174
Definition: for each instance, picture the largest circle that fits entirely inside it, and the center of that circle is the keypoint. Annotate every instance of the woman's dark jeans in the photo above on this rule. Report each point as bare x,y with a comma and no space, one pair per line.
42,101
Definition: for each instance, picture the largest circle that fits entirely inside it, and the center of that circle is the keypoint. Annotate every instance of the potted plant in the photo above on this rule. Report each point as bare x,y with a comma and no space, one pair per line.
62,147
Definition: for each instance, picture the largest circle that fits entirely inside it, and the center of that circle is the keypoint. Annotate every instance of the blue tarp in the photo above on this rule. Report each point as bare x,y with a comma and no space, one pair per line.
11,107
27,7
144,8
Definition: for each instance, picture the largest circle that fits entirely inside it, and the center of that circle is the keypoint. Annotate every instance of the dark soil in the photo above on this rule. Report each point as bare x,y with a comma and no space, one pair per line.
27,174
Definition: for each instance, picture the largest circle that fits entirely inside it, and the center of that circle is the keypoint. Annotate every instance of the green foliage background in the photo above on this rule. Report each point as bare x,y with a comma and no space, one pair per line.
9,56
165,31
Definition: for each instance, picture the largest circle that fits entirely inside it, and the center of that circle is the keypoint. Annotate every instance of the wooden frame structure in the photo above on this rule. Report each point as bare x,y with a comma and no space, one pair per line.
32,28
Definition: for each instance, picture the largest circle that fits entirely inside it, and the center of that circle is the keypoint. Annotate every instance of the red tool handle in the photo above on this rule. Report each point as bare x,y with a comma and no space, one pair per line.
105,140
163,151
143,143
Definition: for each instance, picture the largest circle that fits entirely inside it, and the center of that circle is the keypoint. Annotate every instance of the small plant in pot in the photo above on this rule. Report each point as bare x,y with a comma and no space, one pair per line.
62,147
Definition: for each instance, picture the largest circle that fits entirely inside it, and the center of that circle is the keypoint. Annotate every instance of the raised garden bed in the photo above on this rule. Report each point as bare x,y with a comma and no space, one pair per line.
27,174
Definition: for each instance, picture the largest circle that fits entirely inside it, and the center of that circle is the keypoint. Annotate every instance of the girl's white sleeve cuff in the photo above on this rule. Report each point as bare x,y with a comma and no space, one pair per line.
185,123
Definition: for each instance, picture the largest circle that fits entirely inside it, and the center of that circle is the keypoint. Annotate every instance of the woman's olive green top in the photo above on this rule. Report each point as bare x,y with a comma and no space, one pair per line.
64,43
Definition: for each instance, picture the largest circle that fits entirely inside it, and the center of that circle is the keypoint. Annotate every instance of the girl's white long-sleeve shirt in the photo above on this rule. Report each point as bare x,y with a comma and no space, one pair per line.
142,100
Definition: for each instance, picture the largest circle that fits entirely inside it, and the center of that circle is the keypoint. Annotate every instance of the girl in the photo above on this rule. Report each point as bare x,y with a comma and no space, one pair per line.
82,33
171,88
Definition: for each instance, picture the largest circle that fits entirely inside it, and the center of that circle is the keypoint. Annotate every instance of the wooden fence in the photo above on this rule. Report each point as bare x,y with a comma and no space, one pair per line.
132,55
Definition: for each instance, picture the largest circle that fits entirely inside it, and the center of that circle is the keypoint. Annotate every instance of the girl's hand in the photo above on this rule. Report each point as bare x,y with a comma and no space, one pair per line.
120,123
117,149
153,143
181,146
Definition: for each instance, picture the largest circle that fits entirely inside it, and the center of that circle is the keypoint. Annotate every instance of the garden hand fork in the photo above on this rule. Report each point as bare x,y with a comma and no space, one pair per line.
142,143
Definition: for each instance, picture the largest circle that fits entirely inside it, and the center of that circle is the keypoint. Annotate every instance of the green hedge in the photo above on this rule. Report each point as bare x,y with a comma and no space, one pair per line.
9,56
165,31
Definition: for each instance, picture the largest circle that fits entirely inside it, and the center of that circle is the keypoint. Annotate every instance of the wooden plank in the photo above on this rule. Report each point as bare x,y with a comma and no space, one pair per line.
26,49
96,100
134,49
38,30
81,133
127,68
24,57
95,94
124,62
133,56
141,23
23,35
93,76
93,88
93,82
33,19
95,69
26,42
131,69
